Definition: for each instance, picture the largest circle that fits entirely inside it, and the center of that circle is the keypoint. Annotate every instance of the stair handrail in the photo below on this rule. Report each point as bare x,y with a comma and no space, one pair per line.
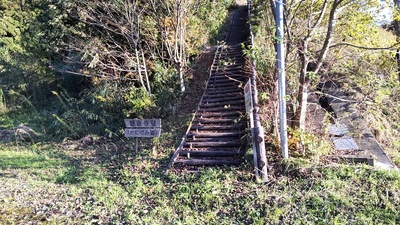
257,134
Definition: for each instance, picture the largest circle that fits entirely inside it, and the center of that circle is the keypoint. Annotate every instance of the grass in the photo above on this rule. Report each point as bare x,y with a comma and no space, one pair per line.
27,158
97,185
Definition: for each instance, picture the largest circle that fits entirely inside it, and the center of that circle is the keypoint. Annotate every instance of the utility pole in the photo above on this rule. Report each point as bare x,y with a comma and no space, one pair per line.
281,77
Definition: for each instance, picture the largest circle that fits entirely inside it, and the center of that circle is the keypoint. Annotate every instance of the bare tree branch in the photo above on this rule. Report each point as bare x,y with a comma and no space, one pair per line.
329,33
365,48
321,16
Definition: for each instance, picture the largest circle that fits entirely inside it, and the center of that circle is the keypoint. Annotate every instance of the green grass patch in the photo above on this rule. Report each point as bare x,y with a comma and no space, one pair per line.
22,158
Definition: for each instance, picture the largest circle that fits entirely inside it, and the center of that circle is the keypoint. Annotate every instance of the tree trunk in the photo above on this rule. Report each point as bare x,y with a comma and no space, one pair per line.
306,66
181,80
299,120
179,49
397,32
146,74
302,111
300,115
139,69
182,57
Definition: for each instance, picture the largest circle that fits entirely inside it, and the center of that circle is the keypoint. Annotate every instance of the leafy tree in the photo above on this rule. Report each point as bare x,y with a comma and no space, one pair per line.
173,30
120,52
315,28
12,24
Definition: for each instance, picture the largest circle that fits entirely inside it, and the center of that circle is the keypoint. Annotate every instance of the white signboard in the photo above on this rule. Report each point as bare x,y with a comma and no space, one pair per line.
248,99
142,127
143,123
143,132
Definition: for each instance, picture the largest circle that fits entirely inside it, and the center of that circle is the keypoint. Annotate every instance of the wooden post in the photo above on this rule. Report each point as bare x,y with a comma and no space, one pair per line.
261,155
136,145
258,134
255,157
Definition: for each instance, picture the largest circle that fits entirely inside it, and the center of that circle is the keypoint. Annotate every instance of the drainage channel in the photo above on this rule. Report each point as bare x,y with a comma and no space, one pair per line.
348,131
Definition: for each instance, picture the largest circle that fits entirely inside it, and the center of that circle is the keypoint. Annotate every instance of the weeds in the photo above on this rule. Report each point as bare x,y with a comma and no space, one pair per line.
107,187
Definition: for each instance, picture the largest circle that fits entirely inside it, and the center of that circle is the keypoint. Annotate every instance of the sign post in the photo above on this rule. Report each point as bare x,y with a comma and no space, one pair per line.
142,128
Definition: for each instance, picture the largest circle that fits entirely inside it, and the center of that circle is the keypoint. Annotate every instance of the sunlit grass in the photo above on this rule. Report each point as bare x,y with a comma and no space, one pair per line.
137,191
22,158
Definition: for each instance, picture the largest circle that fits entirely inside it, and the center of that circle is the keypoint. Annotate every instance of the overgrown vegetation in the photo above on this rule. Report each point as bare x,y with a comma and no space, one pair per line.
95,63
103,184
361,60
70,73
